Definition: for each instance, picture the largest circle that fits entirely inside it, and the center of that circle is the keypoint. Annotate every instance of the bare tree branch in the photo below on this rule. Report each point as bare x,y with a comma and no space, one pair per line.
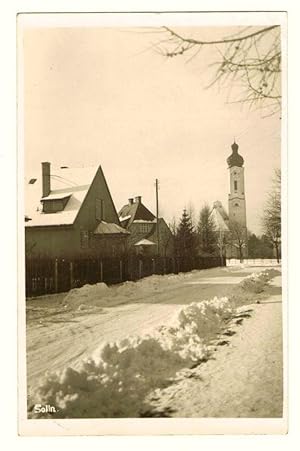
271,219
219,41
251,58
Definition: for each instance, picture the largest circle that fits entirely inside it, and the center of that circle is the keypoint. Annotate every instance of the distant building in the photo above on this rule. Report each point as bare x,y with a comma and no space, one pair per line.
221,221
233,227
145,237
69,213
220,217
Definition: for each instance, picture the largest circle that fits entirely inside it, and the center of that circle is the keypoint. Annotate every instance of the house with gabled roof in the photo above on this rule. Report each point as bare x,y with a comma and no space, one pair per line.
69,213
147,235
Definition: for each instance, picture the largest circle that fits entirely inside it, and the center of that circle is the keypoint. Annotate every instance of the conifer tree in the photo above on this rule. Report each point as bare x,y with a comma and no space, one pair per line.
207,232
185,237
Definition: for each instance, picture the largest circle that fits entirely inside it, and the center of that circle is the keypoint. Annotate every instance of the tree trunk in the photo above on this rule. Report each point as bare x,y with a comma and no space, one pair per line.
277,252
241,254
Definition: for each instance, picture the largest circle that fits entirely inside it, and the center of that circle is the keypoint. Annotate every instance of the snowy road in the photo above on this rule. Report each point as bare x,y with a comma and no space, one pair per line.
56,339
245,378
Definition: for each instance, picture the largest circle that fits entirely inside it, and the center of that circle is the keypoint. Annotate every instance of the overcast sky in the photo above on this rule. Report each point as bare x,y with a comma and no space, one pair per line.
97,96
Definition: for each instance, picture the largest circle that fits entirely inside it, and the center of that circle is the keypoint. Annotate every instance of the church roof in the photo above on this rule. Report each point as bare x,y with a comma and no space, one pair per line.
235,159
220,217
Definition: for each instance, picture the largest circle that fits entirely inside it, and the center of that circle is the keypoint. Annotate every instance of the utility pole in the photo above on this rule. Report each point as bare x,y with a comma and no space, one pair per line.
157,212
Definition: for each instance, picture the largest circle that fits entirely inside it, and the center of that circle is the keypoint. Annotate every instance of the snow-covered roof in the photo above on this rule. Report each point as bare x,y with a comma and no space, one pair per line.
145,242
57,196
64,182
219,220
135,211
218,205
109,228
124,218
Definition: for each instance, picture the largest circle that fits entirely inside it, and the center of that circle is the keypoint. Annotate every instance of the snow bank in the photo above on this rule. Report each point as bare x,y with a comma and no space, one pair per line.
115,382
87,296
115,386
100,295
206,316
256,282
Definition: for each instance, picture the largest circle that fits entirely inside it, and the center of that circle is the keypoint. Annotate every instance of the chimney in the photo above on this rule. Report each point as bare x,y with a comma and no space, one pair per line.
138,199
46,179
130,201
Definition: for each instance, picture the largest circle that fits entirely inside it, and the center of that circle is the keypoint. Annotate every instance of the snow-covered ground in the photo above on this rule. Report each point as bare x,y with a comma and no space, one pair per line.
64,329
245,378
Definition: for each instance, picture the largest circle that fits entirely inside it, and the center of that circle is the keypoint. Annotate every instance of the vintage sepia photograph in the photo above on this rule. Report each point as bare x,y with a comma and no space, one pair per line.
152,155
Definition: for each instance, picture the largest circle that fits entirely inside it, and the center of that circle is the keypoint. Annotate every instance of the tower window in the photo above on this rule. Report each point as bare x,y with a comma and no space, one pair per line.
235,185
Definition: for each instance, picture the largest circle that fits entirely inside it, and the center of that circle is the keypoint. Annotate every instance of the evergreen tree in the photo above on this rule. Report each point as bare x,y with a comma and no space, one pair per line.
185,237
267,247
254,248
259,247
207,232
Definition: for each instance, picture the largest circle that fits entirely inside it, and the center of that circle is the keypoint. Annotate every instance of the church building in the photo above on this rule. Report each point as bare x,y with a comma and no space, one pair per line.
233,227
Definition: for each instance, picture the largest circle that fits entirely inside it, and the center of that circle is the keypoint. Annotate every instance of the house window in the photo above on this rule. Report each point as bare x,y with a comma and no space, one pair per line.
145,228
84,239
100,212
54,205
235,185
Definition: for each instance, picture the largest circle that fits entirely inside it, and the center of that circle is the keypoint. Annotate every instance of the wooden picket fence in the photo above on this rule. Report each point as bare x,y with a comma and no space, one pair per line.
48,275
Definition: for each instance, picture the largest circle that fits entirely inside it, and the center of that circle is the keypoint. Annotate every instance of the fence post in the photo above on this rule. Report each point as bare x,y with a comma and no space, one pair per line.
140,269
153,265
56,275
71,275
101,271
121,270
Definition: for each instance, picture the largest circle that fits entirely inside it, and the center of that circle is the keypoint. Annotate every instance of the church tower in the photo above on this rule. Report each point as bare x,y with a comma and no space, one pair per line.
236,198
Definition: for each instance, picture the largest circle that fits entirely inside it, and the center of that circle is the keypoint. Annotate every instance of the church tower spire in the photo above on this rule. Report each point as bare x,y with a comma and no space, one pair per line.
236,197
